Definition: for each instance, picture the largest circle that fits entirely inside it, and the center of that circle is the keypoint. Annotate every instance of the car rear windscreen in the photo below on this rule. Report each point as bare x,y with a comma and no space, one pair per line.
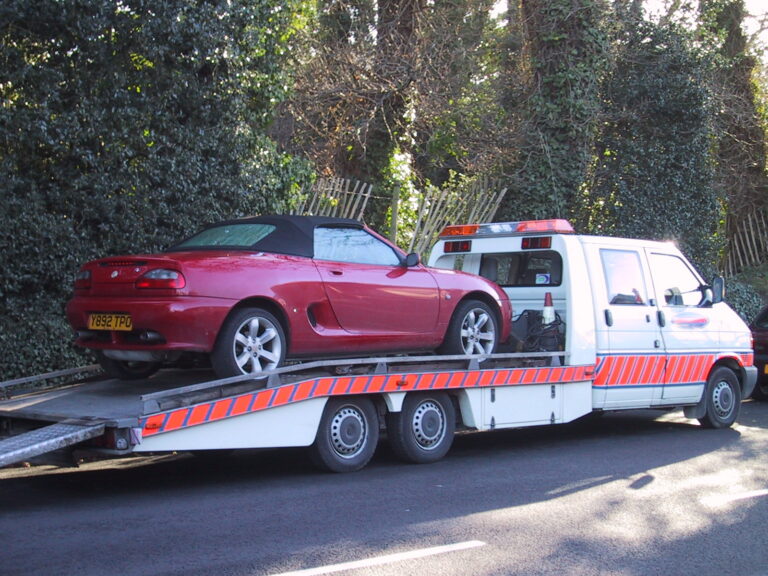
230,236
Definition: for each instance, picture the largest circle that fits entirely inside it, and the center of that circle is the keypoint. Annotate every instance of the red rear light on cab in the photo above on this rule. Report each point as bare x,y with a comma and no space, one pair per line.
161,278
83,280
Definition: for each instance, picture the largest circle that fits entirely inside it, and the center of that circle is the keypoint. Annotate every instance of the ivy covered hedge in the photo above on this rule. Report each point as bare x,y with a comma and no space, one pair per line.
124,126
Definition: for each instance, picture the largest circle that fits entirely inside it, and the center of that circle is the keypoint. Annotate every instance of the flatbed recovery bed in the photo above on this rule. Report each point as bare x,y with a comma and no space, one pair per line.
39,421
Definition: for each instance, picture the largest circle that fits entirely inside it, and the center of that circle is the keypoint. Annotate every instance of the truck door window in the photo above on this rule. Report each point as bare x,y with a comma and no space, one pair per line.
540,268
624,278
675,280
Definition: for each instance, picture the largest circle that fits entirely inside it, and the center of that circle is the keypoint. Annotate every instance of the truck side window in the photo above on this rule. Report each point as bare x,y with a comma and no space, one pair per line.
539,268
675,280
624,277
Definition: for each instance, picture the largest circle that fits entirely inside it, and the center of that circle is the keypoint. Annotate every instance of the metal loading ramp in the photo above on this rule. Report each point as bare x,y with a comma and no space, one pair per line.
47,439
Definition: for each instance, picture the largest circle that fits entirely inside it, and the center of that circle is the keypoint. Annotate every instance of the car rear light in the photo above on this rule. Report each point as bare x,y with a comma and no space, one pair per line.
162,278
83,280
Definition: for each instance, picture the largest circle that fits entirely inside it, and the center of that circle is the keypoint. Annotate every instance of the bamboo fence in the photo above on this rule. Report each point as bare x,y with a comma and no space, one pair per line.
336,197
747,243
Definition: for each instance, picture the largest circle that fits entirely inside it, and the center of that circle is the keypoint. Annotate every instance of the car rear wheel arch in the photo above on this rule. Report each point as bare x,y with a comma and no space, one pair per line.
252,338
265,304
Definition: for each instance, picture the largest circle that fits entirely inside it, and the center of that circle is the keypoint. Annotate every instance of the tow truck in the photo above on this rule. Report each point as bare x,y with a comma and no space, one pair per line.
604,324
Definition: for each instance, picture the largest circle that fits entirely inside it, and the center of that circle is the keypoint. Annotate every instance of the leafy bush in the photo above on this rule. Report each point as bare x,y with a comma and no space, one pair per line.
653,175
743,298
122,127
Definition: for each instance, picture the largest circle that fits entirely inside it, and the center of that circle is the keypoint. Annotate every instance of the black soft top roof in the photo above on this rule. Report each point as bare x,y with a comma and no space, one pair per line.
293,235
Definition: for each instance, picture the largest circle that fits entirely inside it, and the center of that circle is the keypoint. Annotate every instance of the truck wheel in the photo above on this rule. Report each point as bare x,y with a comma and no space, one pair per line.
126,370
347,435
423,431
251,340
472,330
723,399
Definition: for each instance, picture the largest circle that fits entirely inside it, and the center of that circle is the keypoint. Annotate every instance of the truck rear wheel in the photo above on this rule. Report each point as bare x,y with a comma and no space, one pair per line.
723,399
347,436
423,431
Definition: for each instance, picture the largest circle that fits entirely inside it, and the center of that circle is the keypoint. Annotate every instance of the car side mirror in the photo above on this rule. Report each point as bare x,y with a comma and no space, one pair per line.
412,260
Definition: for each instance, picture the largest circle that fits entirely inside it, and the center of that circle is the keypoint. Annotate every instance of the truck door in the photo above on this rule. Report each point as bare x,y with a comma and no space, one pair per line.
687,323
630,348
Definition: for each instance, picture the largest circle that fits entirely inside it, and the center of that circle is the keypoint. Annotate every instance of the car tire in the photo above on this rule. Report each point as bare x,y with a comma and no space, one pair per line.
347,435
250,341
761,389
126,370
473,330
422,432
723,399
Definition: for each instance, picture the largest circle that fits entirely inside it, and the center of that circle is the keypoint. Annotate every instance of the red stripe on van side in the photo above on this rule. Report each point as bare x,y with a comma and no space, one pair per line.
282,395
263,400
175,420
242,403
199,414
220,409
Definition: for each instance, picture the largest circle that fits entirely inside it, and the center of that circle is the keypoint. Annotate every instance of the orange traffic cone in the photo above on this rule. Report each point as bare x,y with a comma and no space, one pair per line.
548,314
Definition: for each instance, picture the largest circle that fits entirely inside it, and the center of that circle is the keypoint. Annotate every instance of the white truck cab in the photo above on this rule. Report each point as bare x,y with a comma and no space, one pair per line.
636,309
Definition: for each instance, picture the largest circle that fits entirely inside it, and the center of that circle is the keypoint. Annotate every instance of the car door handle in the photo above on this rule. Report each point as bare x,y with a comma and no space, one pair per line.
661,318
337,273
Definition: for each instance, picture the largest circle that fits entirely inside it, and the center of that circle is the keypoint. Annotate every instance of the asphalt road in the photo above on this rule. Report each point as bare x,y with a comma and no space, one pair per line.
636,493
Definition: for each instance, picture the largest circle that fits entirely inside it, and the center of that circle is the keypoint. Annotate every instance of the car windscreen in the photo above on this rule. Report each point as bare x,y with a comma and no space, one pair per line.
232,235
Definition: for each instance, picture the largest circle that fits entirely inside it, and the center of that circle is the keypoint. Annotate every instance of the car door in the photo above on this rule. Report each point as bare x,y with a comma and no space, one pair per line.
689,330
368,286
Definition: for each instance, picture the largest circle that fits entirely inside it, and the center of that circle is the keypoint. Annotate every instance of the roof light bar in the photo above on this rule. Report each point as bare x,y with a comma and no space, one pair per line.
553,226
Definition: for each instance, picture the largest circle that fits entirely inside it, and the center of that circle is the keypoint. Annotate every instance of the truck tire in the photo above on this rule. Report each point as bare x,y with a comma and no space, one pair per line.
347,436
723,399
423,430
250,341
126,370
472,330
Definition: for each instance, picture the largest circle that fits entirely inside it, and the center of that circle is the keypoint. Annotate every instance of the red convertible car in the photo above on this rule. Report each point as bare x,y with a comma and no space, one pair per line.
252,292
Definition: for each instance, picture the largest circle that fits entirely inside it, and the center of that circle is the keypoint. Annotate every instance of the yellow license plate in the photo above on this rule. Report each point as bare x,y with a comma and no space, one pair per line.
110,322
765,369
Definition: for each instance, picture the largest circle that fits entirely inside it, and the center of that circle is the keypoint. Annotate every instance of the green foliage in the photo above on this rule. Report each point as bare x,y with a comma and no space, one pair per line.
741,136
653,167
124,126
743,298
569,49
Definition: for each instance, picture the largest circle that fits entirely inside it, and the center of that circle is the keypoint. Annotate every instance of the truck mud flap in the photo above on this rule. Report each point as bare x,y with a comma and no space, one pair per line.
47,439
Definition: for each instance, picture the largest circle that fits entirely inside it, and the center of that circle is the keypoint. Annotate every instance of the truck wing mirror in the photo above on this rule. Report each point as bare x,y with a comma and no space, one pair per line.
712,294
718,289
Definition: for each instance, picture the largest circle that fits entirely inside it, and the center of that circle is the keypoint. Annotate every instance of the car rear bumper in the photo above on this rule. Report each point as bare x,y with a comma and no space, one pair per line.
761,360
178,324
